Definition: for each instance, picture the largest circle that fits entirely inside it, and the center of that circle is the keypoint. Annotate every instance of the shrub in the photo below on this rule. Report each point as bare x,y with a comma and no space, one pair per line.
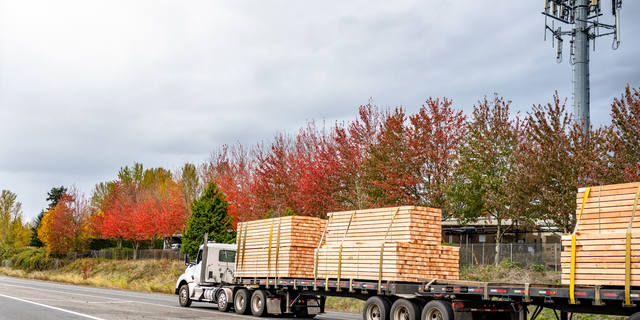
32,259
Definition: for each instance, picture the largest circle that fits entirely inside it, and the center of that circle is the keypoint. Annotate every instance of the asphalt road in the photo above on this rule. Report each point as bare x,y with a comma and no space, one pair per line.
33,299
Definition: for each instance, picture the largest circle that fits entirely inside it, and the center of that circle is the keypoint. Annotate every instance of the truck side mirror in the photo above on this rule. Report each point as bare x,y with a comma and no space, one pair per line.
186,259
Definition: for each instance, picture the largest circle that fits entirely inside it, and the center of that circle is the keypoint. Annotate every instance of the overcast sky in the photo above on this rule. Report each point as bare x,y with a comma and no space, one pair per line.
87,87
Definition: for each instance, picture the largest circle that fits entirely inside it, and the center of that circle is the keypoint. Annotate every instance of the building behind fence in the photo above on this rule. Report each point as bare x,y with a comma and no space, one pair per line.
523,254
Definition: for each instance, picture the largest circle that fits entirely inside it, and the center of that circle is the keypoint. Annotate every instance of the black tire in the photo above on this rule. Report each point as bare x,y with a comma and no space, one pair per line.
404,309
635,316
241,302
437,309
183,296
223,301
259,303
303,312
376,308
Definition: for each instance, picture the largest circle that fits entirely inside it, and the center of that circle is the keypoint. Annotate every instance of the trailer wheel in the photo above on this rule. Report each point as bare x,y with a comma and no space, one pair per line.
376,308
183,296
303,312
241,301
437,310
404,309
223,301
635,316
259,303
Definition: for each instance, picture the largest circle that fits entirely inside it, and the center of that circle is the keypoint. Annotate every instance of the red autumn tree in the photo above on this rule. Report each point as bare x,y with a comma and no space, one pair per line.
352,143
232,168
65,228
315,164
391,169
553,160
434,136
625,140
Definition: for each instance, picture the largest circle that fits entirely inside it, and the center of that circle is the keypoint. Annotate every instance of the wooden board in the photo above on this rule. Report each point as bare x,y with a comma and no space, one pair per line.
601,237
411,224
279,247
411,242
400,261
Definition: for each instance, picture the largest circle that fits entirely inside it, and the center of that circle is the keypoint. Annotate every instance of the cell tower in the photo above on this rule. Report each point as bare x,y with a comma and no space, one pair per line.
584,18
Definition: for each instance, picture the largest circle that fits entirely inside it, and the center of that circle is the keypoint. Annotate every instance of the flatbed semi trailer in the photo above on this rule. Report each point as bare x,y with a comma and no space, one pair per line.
430,299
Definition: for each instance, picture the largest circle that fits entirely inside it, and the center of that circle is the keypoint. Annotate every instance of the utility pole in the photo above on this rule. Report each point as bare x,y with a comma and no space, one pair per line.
583,16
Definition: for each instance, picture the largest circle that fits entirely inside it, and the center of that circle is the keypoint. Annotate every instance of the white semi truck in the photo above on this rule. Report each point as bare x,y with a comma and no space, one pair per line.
210,278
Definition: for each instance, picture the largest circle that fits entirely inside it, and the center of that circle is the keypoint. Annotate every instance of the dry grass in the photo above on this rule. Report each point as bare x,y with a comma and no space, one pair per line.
138,275
344,304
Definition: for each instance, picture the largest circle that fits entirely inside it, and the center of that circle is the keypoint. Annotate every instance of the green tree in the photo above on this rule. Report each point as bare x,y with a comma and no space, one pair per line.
34,241
12,230
54,196
208,213
479,187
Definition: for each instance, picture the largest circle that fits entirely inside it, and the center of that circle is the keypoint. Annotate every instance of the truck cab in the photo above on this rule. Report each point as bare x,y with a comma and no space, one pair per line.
204,278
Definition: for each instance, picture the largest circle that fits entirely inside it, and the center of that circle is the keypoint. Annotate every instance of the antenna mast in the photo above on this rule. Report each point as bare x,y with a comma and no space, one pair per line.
584,18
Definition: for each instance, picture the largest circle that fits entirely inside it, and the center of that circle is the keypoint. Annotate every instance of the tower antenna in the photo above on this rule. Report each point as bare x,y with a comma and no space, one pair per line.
583,17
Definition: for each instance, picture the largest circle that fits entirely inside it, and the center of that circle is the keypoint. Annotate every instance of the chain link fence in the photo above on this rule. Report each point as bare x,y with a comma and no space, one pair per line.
147,254
523,254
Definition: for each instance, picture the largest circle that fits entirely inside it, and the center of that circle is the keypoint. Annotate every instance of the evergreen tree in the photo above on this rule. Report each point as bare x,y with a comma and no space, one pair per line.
208,213
54,195
35,242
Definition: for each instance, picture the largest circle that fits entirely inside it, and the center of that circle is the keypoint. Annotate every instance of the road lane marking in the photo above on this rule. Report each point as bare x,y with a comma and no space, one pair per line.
52,307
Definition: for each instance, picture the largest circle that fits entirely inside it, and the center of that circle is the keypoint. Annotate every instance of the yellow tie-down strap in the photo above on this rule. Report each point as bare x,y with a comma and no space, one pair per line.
627,264
572,274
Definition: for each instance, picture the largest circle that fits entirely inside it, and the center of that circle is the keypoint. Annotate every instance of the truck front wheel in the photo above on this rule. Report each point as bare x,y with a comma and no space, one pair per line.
437,310
223,301
376,308
241,301
259,303
183,296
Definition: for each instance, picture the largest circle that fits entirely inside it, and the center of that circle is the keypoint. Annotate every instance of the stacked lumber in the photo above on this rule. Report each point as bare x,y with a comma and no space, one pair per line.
406,243
279,247
601,237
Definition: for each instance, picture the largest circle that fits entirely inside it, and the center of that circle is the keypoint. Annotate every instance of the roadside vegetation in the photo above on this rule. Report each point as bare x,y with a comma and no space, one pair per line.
137,275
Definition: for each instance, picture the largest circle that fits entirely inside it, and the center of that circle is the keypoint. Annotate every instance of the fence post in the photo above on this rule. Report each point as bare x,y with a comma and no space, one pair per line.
555,255
472,254
511,251
483,245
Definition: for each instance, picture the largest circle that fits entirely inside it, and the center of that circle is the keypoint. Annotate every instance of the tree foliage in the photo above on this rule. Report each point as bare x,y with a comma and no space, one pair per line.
625,139
209,213
140,205
479,187
66,227
554,160
13,231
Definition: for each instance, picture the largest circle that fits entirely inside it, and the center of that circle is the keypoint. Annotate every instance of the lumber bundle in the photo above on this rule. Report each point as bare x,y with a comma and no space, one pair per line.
601,237
388,244
279,247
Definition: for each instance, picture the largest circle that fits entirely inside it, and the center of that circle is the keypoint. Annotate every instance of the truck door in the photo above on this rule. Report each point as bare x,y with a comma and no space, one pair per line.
226,265
198,267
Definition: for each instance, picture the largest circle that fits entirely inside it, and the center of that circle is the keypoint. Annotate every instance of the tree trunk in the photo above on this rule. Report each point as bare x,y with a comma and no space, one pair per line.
498,240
